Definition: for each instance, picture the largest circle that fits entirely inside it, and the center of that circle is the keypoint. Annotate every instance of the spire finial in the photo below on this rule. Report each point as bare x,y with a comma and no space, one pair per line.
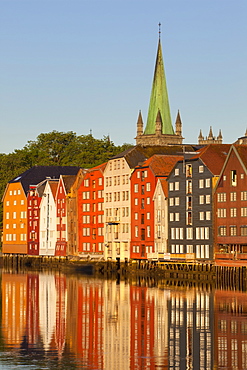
159,29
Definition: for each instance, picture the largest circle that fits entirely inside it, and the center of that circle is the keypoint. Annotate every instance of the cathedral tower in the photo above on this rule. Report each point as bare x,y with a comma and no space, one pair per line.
159,129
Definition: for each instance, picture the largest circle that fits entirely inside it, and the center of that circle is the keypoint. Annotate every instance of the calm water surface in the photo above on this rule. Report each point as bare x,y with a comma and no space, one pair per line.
53,321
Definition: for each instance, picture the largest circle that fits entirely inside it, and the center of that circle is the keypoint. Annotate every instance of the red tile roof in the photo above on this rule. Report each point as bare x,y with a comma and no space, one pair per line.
242,152
53,186
214,156
99,167
161,165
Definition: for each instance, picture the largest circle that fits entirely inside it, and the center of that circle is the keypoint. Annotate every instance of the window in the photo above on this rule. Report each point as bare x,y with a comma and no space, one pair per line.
188,170
233,230
208,199
243,195
176,216
201,183
100,181
143,189
138,174
189,218
243,230
148,231
136,201
148,186
86,183
176,185
148,215
189,202
201,216
177,201
142,234
233,212
189,186
222,197
171,216
221,212
148,200
208,215
233,178
244,212
171,186
142,218
189,248
136,188
171,202
142,203
201,169
202,233
222,230
201,199
233,196
136,231
207,183
189,233
176,172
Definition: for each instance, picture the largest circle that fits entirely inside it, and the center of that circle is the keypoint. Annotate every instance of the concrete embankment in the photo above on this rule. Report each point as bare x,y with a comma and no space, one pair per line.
219,276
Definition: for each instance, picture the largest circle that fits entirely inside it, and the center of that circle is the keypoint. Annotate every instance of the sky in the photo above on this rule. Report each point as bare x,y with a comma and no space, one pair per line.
81,65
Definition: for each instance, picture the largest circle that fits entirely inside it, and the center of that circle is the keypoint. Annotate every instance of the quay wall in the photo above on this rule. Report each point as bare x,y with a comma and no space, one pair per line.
234,277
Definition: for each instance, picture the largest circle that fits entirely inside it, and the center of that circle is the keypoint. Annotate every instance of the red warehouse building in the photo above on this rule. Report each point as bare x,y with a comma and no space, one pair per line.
143,183
91,213
231,209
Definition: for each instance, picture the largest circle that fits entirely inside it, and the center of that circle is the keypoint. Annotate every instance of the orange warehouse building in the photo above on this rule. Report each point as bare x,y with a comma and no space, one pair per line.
14,219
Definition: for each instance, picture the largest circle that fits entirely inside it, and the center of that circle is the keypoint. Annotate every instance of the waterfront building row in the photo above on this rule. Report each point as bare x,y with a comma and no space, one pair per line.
181,207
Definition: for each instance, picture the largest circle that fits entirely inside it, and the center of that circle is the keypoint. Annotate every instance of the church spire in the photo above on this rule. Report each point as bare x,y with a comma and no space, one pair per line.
159,98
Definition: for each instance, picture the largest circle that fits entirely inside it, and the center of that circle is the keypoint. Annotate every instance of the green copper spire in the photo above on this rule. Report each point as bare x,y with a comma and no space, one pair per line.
159,99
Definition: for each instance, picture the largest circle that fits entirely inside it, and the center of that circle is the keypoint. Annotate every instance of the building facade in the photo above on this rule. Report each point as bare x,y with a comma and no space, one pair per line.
91,213
143,183
190,189
231,208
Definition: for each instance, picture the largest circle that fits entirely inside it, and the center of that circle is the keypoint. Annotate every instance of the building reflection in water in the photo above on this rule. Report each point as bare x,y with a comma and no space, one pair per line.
230,330
108,325
190,330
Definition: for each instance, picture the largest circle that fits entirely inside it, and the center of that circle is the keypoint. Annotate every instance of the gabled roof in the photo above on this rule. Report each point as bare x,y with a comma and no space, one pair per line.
164,185
68,181
100,167
213,156
36,174
241,153
53,185
161,165
138,154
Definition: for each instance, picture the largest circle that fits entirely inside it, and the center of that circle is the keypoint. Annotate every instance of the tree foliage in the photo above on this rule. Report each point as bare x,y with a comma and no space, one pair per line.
56,149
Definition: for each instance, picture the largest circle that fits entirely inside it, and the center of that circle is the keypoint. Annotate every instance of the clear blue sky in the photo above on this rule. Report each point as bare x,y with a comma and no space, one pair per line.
76,65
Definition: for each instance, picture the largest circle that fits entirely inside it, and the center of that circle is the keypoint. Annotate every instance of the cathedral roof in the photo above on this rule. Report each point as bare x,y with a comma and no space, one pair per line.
159,99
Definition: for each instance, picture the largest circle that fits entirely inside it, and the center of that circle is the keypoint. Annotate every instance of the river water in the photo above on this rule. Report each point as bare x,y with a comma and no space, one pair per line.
56,321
